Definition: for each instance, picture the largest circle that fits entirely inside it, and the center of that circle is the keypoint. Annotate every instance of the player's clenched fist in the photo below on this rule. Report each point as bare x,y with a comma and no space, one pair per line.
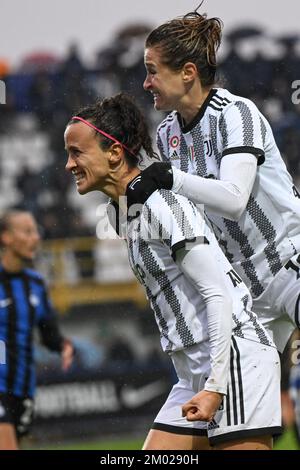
203,406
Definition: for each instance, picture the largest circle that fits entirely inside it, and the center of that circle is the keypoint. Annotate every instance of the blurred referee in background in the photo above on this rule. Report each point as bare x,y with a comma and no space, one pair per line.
24,304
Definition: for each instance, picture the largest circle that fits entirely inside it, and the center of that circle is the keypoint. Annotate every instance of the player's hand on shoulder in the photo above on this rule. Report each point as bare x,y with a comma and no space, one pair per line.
160,174
203,406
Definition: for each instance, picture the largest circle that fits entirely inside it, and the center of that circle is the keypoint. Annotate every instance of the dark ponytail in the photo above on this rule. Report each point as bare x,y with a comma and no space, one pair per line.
120,117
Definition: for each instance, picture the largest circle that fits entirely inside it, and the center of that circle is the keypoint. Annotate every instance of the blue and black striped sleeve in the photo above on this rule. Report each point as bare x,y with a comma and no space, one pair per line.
49,330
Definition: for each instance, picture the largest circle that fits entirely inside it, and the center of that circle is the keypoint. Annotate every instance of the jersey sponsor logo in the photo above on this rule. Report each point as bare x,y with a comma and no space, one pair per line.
34,300
212,425
5,303
208,147
136,397
133,183
175,156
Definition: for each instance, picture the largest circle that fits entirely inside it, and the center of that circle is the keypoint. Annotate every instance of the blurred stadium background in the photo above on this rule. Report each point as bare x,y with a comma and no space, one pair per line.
120,377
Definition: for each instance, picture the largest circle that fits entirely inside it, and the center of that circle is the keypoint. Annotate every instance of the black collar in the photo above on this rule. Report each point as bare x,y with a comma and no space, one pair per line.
10,274
137,192
187,128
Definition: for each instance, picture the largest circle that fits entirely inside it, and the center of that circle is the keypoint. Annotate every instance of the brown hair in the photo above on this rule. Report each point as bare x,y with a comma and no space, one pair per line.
120,117
190,38
6,218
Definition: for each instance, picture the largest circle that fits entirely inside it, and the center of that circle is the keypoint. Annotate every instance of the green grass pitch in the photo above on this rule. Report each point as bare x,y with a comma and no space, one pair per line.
287,441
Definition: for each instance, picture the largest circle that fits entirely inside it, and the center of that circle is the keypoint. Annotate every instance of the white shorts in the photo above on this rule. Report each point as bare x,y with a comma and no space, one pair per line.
278,308
252,406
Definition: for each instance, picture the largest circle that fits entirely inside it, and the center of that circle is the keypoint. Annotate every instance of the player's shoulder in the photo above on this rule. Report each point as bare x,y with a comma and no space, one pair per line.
34,275
219,99
164,201
228,100
161,196
167,122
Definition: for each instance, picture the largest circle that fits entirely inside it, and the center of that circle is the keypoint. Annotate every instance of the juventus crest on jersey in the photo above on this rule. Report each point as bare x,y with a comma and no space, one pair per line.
268,232
168,222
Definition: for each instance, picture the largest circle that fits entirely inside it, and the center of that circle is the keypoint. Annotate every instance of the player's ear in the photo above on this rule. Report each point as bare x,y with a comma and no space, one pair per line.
189,72
116,153
5,238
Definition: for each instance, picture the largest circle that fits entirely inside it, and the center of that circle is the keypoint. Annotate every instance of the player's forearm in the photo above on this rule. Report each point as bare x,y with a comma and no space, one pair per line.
227,196
50,335
219,330
199,266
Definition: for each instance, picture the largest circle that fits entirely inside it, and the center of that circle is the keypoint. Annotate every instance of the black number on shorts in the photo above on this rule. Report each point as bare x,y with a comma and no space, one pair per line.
296,192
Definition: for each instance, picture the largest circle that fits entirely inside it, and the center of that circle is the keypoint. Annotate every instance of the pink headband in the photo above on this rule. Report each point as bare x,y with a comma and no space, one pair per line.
103,133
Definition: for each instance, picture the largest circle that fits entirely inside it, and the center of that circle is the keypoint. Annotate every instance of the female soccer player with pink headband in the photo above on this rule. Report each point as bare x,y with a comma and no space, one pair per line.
228,389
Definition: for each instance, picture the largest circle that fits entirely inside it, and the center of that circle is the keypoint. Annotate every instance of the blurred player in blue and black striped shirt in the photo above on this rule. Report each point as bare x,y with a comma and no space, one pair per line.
24,304
295,393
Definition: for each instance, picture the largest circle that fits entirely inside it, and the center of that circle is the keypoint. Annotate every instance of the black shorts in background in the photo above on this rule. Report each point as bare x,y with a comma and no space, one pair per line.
17,411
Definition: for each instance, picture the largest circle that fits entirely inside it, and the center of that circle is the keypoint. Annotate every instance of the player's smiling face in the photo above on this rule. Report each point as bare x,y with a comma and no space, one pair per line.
166,85
86,160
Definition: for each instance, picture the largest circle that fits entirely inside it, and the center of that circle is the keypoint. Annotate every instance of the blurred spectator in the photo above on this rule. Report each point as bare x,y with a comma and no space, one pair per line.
236,69
39,60
120,351
4,68
24,305
72,63
125,61
287,66
73,90
83,254
295,396
41,95
27,182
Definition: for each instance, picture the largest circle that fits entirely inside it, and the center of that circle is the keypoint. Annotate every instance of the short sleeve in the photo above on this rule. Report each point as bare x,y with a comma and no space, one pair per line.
243,130
48,325
174,220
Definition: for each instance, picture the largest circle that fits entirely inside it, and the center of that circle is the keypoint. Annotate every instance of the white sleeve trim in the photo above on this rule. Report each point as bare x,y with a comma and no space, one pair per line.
200,267
227,196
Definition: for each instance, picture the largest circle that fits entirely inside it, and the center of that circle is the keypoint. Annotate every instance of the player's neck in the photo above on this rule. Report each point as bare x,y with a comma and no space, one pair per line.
11,263
117,185
192,103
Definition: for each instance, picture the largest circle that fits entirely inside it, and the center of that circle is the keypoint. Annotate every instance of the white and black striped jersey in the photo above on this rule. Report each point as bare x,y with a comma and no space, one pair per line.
166,223
268,232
